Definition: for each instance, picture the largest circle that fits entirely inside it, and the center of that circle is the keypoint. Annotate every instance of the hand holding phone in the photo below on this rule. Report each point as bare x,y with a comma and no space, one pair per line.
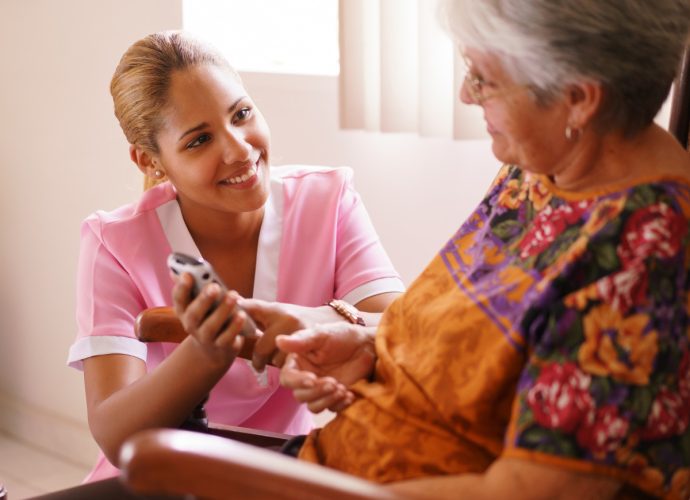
203,274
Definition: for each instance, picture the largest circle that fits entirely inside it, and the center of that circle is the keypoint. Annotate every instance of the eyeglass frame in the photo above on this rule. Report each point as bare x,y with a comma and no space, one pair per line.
475,85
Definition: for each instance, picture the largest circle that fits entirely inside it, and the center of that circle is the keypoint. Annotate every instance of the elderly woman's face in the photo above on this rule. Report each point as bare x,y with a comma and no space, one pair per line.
523,132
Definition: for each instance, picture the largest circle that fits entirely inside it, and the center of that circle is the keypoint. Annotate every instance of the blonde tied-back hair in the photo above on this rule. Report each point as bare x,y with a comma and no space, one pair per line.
141,81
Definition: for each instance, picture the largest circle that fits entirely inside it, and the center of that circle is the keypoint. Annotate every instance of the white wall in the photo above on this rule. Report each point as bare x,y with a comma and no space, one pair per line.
62,155
417,190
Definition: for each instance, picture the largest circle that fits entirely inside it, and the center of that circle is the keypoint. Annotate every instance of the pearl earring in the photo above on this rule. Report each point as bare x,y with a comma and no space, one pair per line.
572,133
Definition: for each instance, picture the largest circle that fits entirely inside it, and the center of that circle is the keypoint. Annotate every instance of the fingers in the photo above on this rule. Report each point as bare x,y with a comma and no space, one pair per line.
259,359
204,319
278,358
275,319
319,393
259,310
219,336
341,405
299,342
324,394
292,377
182,292
230,337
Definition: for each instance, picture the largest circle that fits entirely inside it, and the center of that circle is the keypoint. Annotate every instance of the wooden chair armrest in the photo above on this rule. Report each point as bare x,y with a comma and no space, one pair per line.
186,463
160,324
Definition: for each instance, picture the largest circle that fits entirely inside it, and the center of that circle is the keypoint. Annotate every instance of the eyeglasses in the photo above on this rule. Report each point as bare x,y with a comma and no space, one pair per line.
477,87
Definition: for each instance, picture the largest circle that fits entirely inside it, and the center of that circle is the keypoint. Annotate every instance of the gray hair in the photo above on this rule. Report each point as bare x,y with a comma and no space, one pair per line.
631,47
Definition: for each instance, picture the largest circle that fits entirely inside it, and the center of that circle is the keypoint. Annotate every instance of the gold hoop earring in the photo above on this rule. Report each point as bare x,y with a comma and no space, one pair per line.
572,133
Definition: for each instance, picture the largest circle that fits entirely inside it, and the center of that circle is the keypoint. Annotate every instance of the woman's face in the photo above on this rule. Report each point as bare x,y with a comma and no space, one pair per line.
523,132
214,143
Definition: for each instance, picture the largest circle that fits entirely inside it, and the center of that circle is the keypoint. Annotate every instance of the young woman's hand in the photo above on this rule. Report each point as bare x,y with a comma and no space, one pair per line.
273,319
324,361
214,327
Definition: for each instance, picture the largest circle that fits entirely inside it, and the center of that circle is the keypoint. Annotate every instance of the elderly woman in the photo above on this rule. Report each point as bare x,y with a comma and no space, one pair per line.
544,352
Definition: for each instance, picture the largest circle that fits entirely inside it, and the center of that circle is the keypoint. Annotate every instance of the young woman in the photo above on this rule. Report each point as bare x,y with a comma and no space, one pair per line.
292,234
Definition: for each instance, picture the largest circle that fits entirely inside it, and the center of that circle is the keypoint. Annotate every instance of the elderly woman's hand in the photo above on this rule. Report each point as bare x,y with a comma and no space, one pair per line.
211,319
324,361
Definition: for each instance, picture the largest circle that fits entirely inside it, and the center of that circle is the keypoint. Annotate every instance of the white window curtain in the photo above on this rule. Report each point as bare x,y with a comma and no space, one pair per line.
399,71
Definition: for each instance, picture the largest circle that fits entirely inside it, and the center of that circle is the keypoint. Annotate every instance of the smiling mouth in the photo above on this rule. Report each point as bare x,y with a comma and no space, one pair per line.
251,172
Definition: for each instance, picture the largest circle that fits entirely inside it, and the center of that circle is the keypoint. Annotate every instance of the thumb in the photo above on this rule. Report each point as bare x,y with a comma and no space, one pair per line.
299,342
258,310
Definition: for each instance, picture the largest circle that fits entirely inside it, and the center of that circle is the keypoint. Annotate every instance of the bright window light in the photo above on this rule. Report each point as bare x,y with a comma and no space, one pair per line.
276,36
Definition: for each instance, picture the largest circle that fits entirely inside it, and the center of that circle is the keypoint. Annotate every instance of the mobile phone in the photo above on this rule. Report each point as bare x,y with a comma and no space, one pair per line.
203,273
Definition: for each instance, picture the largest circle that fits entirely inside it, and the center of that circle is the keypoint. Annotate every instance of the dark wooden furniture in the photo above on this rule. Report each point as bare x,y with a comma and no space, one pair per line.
210,467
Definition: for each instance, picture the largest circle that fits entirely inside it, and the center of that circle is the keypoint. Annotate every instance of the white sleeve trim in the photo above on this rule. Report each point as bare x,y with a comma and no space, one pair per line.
375,287
97,345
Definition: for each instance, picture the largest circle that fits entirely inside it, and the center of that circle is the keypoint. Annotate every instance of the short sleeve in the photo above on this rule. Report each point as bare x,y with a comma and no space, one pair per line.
606,387
107,301
363,268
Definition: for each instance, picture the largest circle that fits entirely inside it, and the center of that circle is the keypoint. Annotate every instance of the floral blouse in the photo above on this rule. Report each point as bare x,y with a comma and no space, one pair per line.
608,373
553,327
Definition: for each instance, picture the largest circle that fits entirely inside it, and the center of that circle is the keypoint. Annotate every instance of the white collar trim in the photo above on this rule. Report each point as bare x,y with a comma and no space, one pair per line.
270,236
